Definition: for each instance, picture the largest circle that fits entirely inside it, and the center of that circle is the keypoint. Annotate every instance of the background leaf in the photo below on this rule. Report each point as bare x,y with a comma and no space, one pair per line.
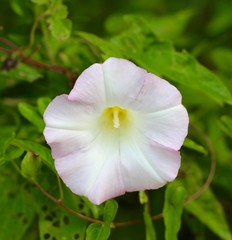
173,208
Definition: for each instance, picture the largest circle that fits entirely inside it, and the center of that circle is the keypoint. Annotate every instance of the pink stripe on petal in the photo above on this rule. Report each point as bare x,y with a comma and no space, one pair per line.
155,95
123,81
65,114
90,87
168,127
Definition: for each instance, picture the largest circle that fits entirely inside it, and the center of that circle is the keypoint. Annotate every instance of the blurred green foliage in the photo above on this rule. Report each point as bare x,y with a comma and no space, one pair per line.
45,44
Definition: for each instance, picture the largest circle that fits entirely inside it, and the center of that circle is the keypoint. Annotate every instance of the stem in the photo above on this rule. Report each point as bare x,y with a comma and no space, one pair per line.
62,205
55,68
4,50
34,27
60,188
8,43
212,168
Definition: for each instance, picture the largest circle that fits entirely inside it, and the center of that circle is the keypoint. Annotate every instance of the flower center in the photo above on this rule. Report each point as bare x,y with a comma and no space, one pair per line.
115,117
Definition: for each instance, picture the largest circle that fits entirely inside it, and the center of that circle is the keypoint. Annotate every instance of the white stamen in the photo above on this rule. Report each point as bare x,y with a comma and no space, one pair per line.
116,118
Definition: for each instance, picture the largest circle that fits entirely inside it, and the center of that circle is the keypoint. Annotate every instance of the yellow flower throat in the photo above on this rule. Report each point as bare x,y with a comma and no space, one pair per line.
114,117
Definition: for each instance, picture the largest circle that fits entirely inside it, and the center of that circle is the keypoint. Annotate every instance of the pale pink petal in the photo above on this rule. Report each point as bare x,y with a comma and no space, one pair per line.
155,95
168,127
90,87
146,165
123,81
65,114
65,141
93,171
110,167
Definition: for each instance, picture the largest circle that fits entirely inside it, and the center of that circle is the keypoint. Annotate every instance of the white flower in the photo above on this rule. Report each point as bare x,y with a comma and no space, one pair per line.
119,130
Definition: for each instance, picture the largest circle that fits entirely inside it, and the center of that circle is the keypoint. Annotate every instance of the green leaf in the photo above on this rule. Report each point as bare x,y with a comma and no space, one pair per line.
173,208
93,232
5,140
206,208
60,28
59,11
150,230
110,211
8,152
42,104
160,25
226,125
98,231
32,115
16,6
16,216
38,149
11,154
162,59
57,224
40,2
22,72
194,146
209,211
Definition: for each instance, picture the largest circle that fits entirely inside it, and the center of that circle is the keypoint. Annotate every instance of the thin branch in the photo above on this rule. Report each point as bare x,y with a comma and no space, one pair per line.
34,27
212,168
62,205
55,68
4,50
8,43
60,188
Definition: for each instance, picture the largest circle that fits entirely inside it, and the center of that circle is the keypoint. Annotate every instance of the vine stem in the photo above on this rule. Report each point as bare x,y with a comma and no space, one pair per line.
212,167
34,27
62,205
34,63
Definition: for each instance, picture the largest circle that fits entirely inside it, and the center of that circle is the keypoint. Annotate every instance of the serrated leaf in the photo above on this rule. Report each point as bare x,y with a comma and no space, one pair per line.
173,208
32,115
36,148
195,146
60,28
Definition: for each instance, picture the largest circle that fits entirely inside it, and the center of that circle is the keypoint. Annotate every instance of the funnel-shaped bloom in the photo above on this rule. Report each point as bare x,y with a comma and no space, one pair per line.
119,130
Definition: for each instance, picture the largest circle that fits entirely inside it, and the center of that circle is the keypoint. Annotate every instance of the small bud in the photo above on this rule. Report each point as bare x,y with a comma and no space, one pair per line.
9,63
143,198
30,165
